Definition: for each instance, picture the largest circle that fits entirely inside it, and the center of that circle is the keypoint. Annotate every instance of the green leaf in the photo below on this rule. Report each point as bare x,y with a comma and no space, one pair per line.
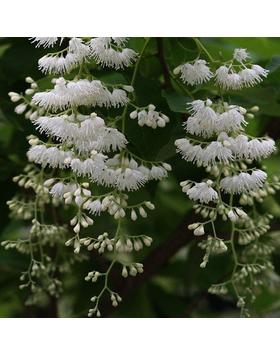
176,101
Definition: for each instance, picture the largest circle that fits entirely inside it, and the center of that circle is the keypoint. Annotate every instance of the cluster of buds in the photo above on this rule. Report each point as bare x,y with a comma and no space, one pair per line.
198,229
80,195
219,289
92,276
80,220
150,117
269,188
141,210
40,271
48,233
260,250
253,231
235,214
31,180
101,243
212,246
22,246
115,205
24,101
128,244
21,209
250,269
132,269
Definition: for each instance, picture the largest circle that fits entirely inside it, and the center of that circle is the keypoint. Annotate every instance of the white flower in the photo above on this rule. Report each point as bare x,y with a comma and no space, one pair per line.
123,174
44,41
111,139
228,80
249,77
260,71
84,132
230,120
190,152
120,41
118,98
196,105
260,148
202,192
243,182
256,148
66,94
203,120
216,151
52,156
129,179
158,173
59,189
104,54
206,122
196,73
92,167
95,207
75,93
240,54
59,64
239,145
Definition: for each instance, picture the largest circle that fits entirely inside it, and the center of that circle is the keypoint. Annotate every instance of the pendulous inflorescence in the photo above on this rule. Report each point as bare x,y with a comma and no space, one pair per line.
236,182
81,161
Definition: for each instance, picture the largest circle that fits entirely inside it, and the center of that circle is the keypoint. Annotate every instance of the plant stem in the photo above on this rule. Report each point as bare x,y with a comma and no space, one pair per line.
202,47
133,79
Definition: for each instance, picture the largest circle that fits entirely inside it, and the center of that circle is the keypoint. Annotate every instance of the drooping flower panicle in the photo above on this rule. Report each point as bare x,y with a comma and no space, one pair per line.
217,140
86,151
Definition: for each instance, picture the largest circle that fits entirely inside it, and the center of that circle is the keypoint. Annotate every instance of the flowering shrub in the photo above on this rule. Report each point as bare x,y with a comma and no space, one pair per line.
104,118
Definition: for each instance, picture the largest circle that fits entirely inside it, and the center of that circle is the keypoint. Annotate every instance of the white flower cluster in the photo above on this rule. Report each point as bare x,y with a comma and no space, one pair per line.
202,192
107,51
239,73
208,119
220,120
224,151
243,182
86,133
149,117
22,101
60,64
45,42
229,79
66,94
119,172
196,73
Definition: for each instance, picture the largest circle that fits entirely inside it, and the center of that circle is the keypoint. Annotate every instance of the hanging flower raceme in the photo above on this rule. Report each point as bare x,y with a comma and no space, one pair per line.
227,153
85,162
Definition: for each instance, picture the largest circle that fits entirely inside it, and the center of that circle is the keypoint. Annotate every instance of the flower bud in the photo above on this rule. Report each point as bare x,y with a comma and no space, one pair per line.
199,231
133,114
